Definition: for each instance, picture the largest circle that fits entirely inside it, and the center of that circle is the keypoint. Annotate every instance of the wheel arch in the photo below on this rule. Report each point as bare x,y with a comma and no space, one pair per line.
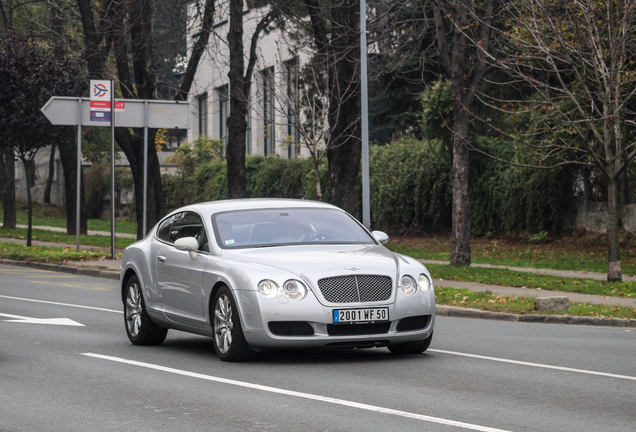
124,281
217,286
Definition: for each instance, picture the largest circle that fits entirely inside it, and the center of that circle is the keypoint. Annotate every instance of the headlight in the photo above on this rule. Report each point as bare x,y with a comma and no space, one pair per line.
294,289
408,285
425,283
268,288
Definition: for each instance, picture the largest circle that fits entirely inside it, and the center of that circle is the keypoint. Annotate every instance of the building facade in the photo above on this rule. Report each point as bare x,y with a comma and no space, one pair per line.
274,114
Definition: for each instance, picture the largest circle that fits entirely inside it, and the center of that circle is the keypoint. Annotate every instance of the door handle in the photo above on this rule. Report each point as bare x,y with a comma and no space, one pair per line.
161,258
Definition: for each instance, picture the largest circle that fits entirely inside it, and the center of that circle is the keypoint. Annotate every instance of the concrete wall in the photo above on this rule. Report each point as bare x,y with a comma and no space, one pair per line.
57,190
592,216
41,176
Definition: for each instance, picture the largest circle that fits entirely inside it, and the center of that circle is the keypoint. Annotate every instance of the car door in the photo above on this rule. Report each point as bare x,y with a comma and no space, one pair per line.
178,274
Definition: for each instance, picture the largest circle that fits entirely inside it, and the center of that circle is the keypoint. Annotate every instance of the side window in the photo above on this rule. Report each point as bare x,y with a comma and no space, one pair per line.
188,224
163,233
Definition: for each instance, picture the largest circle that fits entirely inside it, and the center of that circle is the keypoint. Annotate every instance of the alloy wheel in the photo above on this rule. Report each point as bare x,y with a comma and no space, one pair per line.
223,324
134,309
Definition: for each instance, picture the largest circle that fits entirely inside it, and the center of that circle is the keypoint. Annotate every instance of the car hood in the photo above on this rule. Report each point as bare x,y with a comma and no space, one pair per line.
318,261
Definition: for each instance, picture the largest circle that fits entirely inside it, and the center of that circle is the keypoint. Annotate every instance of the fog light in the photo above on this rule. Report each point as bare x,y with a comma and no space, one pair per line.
268,288
294,289
408,285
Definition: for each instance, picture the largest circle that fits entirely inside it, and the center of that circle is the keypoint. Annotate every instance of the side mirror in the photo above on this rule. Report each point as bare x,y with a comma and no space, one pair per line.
381,236
189,244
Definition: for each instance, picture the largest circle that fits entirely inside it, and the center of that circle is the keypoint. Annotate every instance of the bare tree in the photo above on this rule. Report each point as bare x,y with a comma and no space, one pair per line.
303,106
458,23
575,60
333,30
240,89
30,76
125,24
7,158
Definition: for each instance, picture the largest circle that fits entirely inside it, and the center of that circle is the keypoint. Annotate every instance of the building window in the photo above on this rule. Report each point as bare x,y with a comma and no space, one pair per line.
224,112
269,131
203,115
291,79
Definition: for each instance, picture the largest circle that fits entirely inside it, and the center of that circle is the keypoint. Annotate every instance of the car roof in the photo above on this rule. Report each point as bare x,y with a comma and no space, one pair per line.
211,207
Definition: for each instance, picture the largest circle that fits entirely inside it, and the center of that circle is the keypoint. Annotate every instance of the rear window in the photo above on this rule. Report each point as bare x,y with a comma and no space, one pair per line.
276,227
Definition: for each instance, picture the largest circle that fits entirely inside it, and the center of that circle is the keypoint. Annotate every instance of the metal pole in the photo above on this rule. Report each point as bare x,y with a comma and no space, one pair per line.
79,176
366,206
112,170
143,233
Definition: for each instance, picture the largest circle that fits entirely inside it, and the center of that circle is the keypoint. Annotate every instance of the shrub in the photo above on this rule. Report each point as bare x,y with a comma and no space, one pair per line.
411,187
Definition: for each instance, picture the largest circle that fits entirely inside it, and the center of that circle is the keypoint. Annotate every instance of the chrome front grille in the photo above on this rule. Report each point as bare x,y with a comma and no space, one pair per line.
356,288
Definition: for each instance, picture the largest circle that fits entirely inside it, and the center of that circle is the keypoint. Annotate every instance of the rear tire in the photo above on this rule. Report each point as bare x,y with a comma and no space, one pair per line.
412,347
229,343
139,327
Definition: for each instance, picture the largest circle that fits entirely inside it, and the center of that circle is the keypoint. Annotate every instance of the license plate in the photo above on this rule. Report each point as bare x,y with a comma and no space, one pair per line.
360,316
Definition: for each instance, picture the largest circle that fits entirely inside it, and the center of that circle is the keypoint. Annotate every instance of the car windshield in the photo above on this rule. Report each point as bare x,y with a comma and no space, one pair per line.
256,228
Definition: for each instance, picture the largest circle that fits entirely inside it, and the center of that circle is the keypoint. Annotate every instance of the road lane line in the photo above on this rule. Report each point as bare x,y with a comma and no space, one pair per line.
63,304
78,285
310,396
538,365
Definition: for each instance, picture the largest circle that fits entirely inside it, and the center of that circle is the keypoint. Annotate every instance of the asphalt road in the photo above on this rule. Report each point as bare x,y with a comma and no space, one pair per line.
477,375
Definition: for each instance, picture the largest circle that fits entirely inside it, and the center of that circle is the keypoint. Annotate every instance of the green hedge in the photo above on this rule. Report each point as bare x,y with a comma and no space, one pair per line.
267,177
410,188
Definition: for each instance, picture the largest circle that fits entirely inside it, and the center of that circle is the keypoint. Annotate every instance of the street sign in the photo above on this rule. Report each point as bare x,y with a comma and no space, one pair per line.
162,114
135,113
100,101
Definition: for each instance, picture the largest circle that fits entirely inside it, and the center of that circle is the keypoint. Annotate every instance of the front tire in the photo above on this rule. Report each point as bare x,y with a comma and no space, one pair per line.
229,343
412,347
139,327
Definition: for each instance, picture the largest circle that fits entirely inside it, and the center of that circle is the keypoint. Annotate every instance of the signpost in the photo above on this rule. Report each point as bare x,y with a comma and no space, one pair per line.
73,111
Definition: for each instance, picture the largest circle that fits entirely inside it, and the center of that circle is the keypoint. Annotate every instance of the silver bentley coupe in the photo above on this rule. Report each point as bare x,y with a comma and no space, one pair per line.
260,274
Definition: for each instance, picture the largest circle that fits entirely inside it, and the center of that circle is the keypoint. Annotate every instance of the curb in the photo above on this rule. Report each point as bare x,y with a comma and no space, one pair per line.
459,312
63,269
441,310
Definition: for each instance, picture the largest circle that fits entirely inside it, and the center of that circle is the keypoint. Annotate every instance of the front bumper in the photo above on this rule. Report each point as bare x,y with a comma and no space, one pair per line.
308,323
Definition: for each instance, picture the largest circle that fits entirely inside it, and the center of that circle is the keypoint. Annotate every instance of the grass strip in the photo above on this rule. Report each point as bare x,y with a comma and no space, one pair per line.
505,277
540,257
48,215
49,254
523,305
60,237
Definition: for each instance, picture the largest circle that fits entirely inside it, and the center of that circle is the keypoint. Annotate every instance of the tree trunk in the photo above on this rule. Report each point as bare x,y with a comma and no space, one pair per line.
237,124
344,153
2,183
460,255
133,145
27,178
49,181
68,155
317,177
8,202
614,273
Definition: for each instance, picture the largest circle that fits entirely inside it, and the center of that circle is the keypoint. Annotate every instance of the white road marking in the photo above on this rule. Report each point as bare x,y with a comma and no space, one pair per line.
310,396
538,365
47,321
63,304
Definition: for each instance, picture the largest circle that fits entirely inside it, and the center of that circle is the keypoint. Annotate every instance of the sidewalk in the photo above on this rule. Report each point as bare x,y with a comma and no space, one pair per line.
547,272
535,292
89,232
